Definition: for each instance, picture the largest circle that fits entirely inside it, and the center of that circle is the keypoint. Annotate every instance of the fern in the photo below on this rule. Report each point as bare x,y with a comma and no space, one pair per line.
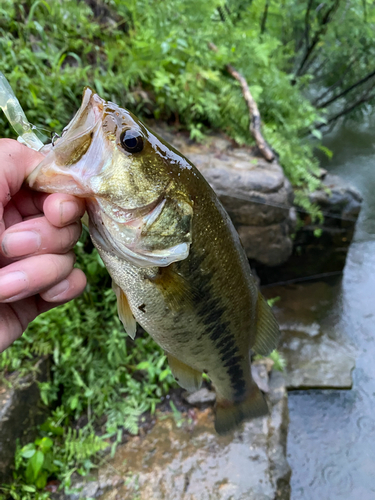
80,445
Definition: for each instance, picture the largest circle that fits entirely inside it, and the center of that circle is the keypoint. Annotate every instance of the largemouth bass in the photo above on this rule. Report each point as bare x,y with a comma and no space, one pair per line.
176,261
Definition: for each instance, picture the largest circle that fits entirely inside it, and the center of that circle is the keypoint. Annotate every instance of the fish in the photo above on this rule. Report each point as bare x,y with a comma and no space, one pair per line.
176,261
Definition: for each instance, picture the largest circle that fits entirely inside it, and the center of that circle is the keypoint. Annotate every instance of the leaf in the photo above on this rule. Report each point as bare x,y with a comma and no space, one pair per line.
29,489
144,365
41,480
317,133
49,426
28,450
164,374
36,463
74,402
46,444
326,151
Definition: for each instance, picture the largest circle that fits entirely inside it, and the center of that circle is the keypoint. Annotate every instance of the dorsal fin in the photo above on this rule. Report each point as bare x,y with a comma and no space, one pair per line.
185,376
267,330
124,311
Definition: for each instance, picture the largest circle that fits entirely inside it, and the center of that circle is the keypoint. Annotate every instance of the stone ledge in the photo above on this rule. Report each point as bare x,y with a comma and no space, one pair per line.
184,459
318,354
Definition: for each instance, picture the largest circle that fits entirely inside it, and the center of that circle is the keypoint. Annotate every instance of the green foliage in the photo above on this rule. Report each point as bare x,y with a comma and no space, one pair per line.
153,57
277,358
58,453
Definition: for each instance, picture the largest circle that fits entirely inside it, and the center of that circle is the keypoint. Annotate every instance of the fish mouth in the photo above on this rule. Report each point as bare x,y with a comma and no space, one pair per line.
59,172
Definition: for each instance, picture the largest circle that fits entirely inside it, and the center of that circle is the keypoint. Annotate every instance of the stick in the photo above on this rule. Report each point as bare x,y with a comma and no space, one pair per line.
255,122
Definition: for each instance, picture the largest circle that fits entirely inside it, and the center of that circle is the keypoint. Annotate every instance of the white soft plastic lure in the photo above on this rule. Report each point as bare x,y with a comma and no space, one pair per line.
16,116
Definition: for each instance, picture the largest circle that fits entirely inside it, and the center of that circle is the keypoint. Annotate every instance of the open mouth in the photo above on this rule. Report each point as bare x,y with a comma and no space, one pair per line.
57,172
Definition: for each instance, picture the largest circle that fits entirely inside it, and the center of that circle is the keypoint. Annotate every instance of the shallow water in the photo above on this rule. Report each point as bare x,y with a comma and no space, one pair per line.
331,443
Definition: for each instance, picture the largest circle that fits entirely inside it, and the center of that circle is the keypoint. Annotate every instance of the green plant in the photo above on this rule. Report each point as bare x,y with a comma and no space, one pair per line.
36,460
277,358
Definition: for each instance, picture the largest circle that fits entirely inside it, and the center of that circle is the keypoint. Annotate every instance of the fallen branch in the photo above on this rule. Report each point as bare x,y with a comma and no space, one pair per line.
255,122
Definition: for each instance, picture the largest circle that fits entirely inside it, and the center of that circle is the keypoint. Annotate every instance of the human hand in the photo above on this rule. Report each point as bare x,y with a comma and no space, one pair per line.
37,234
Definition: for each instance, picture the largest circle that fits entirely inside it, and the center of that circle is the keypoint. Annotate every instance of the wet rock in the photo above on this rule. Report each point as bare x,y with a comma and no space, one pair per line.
20,413
341,204
259,373
184,459
201,397
317,351
255,193
341,199
275,238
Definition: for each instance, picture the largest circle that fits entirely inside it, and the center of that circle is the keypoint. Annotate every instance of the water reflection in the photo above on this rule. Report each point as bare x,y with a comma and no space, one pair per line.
331,444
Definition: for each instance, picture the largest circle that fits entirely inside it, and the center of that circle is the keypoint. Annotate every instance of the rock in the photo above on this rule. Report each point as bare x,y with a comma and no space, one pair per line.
273,239
342,199
340,203
203,396
260,375
20,413
318,354
255,193
186,460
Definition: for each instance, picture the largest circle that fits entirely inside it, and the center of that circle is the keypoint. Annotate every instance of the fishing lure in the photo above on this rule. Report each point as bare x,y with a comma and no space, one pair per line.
16,116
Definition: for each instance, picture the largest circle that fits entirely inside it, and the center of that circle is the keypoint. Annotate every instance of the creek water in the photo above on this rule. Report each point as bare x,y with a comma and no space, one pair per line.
331,442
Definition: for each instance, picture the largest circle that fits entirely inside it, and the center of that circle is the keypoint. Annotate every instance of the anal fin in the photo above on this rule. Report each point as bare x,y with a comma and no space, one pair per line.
124,311
267,329
230,414
185,376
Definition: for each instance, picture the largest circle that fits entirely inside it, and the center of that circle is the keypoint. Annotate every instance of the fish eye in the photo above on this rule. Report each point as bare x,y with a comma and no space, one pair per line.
131,141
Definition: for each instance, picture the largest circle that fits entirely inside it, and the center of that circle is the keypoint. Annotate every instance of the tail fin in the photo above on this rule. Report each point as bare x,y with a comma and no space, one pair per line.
230,414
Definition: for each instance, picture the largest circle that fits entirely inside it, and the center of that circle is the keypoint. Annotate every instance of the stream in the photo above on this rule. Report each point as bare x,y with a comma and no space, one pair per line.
331,442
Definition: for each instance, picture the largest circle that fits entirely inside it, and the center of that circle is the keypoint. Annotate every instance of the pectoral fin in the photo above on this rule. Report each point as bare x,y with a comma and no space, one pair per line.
268,333
185,376
124,311
175,288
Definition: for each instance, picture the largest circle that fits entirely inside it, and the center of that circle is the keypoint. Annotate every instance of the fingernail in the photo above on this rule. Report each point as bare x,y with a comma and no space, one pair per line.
57,290
21,243
13,284
69,212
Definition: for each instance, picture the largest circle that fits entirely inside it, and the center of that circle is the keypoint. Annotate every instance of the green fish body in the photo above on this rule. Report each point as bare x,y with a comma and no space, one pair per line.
177,264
